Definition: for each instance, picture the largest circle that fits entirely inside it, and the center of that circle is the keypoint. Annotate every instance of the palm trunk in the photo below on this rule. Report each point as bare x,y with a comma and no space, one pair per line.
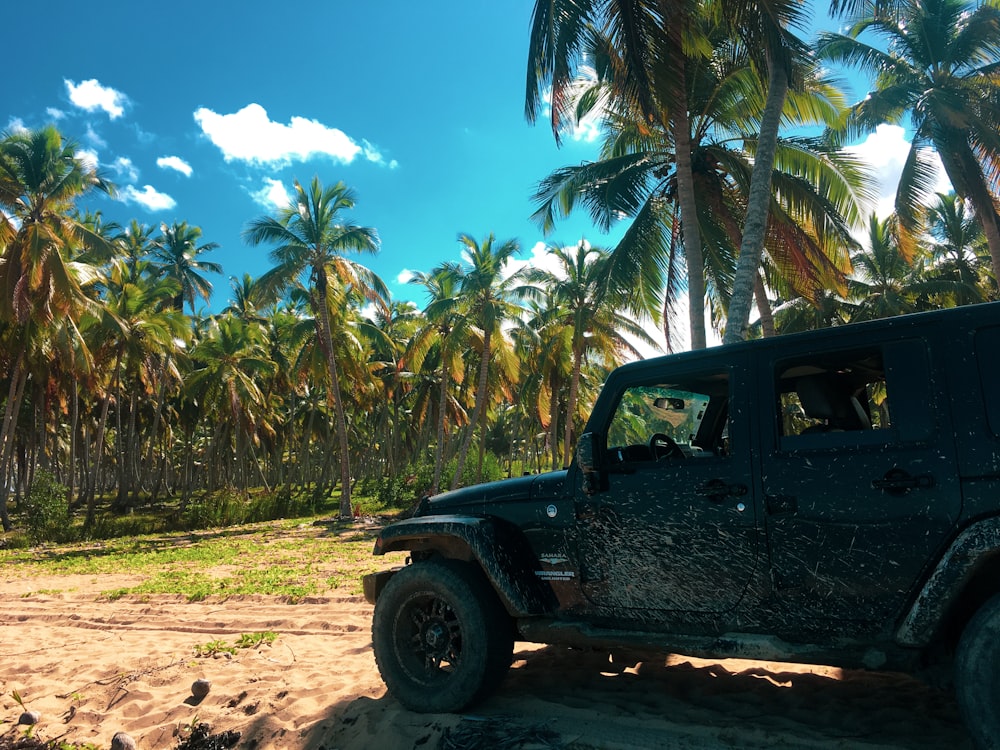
675,231
764,308
14,396
463,452
984,205
73,429
442,406
346,510
689,220
553,433
101,427
574,390
758,203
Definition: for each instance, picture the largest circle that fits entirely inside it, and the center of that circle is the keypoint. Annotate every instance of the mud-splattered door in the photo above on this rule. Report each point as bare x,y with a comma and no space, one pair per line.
675,528
860,485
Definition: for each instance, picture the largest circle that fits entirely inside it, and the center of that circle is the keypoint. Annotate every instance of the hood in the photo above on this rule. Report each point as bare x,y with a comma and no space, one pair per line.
477,498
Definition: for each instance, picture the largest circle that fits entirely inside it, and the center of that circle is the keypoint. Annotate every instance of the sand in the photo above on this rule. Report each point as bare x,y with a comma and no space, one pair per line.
91,668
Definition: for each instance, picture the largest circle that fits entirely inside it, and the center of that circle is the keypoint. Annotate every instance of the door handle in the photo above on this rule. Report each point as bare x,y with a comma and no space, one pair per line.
899,481
717,490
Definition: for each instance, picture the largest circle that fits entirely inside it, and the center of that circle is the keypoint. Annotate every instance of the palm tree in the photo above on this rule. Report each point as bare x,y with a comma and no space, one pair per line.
543,339
646,46
41,178
311,237
445,330
231,366
939,68
137,329
588,307
816,198
485,294
385,337
885,283
249,299
958,253
136,243
175,253
763,26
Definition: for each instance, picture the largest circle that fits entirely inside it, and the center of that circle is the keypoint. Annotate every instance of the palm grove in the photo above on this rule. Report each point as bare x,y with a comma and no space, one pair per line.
722,154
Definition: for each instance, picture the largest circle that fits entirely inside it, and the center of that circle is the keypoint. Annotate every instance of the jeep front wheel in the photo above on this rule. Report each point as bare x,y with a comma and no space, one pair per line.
442,639
977,675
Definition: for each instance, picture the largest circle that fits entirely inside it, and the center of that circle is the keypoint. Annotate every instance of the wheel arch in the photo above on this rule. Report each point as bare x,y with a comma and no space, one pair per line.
498,550
965,578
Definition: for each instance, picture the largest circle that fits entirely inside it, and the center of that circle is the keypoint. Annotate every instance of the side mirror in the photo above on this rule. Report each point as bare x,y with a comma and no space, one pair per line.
588,458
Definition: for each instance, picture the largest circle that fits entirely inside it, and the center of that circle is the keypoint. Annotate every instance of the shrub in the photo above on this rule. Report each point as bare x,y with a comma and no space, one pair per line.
395,491
228,507
44,511
492,470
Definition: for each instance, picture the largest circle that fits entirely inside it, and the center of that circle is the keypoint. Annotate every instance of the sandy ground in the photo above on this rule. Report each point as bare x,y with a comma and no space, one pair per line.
92,668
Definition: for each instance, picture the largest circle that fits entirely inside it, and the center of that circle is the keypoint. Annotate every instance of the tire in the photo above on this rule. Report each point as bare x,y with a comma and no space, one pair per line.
977,676
442,639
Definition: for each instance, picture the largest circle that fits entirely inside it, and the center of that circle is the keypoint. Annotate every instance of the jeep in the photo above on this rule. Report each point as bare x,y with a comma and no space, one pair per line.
830,497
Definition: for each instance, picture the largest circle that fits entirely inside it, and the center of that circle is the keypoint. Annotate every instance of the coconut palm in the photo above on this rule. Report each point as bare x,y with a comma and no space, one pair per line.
175,255
588,306
885,283
41,178
542,339
135,244
138,329
231,365
644,48
248,300
939,70
816,198
764,29
486,297
312,236
959,257
445,331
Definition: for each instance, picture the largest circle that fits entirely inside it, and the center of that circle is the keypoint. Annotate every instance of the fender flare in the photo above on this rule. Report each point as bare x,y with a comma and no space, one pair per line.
944,585
498,549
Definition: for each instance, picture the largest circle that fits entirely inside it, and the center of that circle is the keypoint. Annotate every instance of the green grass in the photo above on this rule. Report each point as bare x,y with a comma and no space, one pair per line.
288,559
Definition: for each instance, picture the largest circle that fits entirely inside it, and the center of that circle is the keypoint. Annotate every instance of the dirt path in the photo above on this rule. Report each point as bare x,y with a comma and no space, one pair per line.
92,668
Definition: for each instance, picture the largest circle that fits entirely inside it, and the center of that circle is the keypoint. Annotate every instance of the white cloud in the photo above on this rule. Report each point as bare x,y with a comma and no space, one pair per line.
176,163
404,276
55,114
125,169
149,197
250,135
372,154
91,95
272,195
885,151
16,125
540,257
92,136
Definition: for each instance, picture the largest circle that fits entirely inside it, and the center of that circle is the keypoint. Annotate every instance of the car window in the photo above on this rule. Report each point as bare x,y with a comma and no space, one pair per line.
854,397
690,412
844,392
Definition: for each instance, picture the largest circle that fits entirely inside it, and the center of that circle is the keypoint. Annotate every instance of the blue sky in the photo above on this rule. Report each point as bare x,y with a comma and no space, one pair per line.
206,112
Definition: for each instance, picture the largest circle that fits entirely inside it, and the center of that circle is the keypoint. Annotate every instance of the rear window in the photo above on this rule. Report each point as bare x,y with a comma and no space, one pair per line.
852,397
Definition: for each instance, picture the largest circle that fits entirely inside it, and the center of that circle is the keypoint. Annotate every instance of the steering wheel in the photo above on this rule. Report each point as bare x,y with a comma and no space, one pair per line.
664,446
